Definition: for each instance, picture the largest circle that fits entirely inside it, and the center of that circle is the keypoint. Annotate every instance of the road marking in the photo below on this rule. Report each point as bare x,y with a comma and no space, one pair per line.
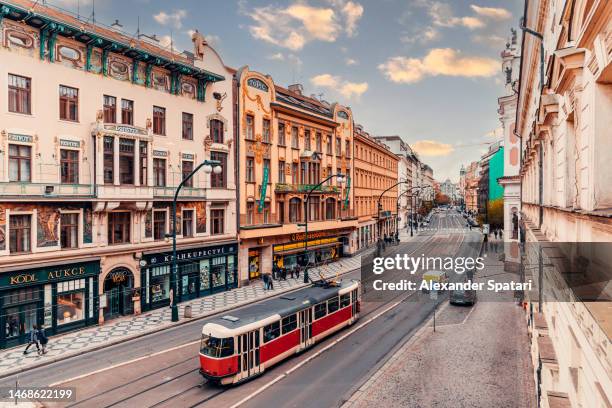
468,315
157,353
318,353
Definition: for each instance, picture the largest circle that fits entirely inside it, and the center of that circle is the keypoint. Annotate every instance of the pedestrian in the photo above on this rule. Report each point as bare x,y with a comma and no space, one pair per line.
495,233
264,278
42,337
284,273
33,340
270,284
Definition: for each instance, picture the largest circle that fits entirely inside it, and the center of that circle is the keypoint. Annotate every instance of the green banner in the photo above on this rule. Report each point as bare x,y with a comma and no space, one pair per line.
264,187
348,189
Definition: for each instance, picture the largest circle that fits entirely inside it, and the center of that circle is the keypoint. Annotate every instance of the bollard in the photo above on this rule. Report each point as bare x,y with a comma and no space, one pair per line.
188,313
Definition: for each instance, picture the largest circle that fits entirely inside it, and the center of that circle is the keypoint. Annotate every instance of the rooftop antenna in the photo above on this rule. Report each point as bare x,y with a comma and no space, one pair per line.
171,43
93,12
138,29
78,9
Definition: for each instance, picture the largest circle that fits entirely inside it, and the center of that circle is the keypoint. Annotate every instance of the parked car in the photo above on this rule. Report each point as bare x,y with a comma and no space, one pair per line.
462,297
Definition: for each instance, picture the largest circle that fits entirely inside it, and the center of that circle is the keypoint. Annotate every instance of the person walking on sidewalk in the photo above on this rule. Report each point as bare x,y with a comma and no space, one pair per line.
266,284
42,338
270,283
33,340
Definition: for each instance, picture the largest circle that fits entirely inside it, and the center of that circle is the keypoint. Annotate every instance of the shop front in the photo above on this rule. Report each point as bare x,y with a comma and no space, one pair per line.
201,271
118,293
323,247
59,297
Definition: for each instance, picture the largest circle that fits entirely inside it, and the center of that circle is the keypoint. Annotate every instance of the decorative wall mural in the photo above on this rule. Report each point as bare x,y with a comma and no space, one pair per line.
87,225
200,208
70,55
119,69
161,81
19,38
48,226
188,89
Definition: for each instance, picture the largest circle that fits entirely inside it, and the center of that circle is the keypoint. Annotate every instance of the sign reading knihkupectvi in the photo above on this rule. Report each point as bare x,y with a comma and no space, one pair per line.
35,276
264,186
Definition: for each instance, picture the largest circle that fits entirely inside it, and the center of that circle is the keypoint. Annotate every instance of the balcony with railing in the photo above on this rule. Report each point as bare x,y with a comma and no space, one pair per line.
45,190
305,188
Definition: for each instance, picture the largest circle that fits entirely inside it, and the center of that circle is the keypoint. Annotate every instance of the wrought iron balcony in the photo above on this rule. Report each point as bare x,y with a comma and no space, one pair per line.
305,188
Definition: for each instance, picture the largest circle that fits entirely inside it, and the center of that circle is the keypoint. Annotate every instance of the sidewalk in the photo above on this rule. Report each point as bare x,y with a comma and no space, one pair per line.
116,331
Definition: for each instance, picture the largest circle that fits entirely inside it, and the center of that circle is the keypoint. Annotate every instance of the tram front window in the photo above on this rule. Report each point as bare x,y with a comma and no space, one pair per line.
215,347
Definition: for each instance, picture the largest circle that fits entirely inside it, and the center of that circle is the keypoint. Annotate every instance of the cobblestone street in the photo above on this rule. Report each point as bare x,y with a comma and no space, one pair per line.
478,357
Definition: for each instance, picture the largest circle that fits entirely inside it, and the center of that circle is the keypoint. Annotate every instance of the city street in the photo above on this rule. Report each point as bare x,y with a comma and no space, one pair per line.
324,376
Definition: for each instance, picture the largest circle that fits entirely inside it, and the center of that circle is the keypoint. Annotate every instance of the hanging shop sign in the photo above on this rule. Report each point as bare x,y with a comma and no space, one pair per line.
348,189
264,187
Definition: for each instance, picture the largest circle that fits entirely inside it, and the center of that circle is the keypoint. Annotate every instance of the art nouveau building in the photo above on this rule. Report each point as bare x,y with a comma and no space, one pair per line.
376,168
564,125
472,178
288,144
97,129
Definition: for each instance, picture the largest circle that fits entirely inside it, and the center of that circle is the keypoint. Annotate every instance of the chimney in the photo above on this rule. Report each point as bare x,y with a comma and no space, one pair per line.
296,88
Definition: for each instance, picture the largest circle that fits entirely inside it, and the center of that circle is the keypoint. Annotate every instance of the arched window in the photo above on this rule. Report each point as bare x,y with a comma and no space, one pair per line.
330,209
294,210
216,131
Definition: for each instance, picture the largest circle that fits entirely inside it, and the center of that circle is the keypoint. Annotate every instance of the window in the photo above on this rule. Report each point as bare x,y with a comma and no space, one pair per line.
20,163
127,112
109,159
69,230
159,120
330,207
266,130
110,109
307,139
294,210
314,173
187,126
250,213
250,127
250,170
295,142
217,219
69,103
159,172
294,173
271,332
329,173
332,304
143,163
69,166
303,172
70,305
338,147
159,225
219,180
266,213
280,211
281,171
216,131
319,142
289,323
313,209
188,223
19,94
320,310
345,300
266,165
347,149
187,168
328,144
281,134
126,161
20,229
118,228
214,347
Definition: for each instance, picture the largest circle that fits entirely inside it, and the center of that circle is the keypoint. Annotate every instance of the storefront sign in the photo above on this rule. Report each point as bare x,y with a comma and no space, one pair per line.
48,274
70,143
317,234
160,153
133,130
13,137
312,243
191,254
188,156
264,186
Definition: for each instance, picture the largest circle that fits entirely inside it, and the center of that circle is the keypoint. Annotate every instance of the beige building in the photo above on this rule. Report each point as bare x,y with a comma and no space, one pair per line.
376,170
564,125
97,130
288,144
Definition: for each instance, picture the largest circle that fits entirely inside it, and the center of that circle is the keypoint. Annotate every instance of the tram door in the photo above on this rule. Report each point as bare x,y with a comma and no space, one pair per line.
306,327
249,354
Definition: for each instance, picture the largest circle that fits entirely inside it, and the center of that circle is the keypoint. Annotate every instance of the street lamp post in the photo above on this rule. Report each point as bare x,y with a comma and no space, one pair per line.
409,190
380,207
340,179
209,167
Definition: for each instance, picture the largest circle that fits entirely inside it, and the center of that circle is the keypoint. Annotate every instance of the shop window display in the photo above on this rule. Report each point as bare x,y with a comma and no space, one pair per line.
70,301
160,283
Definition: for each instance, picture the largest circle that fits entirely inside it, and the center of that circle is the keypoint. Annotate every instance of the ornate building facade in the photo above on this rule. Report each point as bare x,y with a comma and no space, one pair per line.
288,143
376,170
563,122
97,130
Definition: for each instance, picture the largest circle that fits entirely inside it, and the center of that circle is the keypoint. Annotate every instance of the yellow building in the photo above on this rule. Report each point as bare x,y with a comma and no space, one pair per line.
375,171
288,143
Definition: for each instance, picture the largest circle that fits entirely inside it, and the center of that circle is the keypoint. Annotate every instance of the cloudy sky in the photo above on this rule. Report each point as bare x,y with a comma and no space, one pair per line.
427,70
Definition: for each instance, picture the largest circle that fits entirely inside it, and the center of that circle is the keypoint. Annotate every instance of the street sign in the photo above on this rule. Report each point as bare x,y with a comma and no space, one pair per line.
485,229
433,295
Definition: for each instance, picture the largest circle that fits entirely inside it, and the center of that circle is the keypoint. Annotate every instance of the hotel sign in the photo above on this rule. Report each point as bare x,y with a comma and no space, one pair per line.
133,130
13,137
257,84
49,274
188,156
160,153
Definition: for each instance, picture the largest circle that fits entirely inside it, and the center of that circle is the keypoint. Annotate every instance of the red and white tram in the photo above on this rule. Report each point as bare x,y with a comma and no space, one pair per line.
244,344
